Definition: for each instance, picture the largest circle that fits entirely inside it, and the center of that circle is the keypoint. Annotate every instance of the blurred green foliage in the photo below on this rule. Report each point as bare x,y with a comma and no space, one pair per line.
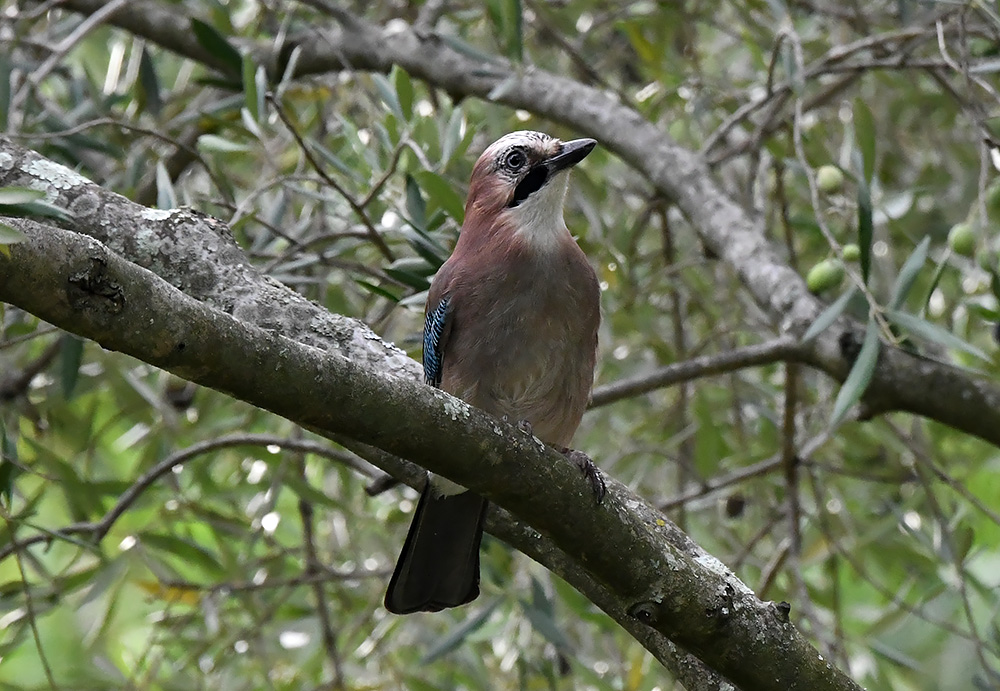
203,582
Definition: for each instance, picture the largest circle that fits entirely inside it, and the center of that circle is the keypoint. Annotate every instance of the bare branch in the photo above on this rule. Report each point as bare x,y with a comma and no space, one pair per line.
357,207
96,530
780,349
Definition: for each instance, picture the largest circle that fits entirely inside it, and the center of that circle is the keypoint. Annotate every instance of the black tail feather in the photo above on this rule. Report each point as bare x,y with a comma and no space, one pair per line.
438,566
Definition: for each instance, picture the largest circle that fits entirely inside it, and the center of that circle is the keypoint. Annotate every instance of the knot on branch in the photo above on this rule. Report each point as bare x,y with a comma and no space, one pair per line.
645,612
724,609
781,610
94,282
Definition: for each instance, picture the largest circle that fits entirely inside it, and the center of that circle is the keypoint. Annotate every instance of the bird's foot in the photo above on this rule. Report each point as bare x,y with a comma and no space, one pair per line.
522,425
589,470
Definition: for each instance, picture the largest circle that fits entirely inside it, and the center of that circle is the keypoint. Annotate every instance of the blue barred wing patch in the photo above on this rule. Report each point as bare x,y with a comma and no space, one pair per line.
433,329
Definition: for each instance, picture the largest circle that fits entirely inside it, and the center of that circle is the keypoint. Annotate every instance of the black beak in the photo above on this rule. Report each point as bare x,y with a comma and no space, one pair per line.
571,153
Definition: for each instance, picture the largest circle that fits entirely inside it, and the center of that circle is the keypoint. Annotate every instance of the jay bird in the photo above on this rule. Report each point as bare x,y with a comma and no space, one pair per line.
511,328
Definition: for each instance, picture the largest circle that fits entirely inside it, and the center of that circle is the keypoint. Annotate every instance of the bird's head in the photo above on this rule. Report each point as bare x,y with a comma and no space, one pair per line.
519,184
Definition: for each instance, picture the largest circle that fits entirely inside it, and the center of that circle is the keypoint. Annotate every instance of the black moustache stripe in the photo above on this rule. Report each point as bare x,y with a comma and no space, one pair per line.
532,182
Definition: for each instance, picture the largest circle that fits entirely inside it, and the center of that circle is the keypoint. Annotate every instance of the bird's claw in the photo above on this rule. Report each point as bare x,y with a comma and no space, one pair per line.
589,470
522,425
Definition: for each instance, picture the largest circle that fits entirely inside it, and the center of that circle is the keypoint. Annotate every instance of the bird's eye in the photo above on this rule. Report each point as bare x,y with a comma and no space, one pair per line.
514,160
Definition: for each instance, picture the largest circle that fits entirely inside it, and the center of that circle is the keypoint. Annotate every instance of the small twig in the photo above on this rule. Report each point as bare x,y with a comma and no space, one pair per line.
64,47
741,474
388,173
685,451
42,331
781,195
580,61
948,538
324,575
189,151
838,646
875,310
16,382
769,572
772,123
923,464
823,65
791,463
783,348
789,457
766,528
322,256
963,68
891,594
29,606
29,610
96,530
715,484
373,233
313,567
380,485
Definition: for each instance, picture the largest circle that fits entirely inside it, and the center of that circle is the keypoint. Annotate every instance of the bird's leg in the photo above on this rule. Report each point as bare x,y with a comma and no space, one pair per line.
589,470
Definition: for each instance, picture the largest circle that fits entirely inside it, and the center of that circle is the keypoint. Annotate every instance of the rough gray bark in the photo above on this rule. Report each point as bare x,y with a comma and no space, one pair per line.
645,571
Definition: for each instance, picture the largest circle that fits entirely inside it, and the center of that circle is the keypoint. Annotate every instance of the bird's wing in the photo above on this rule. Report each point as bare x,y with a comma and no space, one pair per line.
437,325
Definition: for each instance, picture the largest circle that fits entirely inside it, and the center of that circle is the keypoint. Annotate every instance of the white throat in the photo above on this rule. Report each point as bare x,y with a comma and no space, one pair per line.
539,218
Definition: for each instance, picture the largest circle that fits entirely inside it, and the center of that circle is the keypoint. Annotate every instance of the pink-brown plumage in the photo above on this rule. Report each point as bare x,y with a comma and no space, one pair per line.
523,340
512,320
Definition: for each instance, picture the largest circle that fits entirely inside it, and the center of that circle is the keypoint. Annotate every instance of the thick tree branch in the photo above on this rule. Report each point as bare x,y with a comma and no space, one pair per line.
655,574
686,668
182,244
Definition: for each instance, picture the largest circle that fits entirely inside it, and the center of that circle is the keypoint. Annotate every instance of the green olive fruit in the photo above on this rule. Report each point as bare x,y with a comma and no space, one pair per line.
962,239
852,253
824,276
987,260
829,179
